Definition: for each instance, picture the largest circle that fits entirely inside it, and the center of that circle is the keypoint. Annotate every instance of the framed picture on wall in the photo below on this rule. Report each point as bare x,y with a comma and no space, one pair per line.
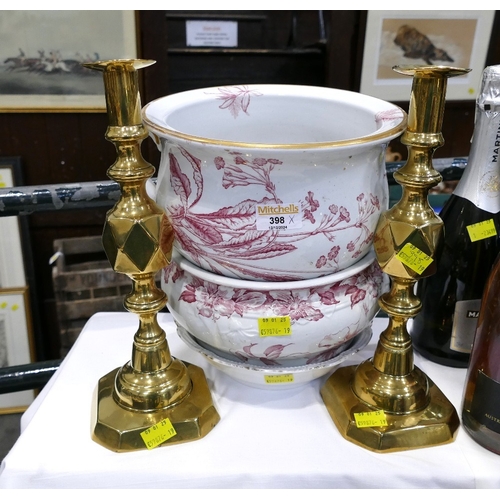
16,343
449,37
41,56
12,269
16,254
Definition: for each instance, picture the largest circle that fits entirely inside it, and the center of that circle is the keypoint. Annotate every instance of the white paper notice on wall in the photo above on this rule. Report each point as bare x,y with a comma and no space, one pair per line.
212,33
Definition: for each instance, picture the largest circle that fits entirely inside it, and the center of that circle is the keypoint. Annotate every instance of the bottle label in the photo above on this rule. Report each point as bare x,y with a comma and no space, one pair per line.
464,325
482,230
485,406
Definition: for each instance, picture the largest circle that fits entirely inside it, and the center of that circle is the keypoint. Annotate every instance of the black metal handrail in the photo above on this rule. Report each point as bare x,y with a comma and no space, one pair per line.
25,200
30,376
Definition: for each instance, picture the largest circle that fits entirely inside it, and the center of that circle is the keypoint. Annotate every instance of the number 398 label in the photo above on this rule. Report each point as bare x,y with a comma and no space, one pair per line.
283,217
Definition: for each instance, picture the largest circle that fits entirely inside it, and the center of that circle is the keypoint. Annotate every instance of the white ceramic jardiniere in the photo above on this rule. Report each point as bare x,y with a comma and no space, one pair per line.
274,323
273,182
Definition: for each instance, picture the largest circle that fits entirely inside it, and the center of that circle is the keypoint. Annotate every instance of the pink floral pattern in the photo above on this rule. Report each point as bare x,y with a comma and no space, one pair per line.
392,115
216,301
240,173
230,235
270,357
236,98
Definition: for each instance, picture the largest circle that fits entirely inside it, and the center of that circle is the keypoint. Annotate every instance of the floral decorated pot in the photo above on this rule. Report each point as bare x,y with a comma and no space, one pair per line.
273,182
274,323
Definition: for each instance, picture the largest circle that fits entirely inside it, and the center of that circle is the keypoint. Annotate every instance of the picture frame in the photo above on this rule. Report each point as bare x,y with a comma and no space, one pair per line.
16,255
16,343
447,37
12,262
41,54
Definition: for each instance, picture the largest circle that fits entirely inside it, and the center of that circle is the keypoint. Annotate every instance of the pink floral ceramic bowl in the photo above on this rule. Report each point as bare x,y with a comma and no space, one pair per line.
274,377
273,182
274,323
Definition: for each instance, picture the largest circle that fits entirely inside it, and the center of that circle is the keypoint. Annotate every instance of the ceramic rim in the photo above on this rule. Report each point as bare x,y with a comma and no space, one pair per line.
236,283
359,342
377,137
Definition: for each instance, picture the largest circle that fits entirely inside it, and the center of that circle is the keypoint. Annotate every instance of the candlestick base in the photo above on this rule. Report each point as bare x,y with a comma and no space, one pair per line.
119,429
436,424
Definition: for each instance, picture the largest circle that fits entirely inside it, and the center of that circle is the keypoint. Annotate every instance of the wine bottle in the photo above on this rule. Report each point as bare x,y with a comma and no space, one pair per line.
443,330
481,402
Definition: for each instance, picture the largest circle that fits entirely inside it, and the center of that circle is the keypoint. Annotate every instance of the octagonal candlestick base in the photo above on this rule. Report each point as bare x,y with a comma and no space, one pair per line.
434,424
386,403
120,429
154,399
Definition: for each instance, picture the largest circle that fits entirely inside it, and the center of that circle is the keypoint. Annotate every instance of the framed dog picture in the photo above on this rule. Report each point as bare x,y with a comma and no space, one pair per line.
449,37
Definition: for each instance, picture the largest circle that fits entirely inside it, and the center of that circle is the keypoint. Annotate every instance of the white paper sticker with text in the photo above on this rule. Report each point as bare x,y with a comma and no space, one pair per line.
209,33
281,217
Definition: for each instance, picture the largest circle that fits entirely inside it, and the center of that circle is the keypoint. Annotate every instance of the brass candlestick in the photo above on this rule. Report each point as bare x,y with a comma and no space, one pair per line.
153,388
416,412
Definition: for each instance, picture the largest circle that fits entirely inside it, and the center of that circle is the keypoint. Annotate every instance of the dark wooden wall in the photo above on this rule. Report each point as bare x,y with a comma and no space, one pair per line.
296,47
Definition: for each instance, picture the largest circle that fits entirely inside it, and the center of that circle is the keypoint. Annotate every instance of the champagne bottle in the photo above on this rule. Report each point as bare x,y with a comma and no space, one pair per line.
443,330
481,404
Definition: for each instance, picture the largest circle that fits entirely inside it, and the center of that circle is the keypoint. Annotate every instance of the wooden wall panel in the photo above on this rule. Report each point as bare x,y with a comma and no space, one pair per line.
346,29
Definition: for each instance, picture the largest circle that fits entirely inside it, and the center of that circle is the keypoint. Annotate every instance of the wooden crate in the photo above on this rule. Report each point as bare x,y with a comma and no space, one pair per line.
84,284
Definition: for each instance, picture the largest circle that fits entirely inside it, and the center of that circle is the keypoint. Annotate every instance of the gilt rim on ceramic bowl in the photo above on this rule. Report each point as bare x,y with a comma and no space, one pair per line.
236,283
389,129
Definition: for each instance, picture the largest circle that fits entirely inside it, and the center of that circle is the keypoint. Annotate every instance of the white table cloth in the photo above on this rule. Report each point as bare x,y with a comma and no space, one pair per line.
265,439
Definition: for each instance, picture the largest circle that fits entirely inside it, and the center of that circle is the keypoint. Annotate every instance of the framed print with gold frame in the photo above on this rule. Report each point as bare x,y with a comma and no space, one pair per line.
458,38
16,343
41,56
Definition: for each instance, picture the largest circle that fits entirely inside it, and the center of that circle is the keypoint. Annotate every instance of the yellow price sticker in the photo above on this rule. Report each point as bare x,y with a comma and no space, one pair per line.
158,433
370,419
284,378
278,326
482,230
414,258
